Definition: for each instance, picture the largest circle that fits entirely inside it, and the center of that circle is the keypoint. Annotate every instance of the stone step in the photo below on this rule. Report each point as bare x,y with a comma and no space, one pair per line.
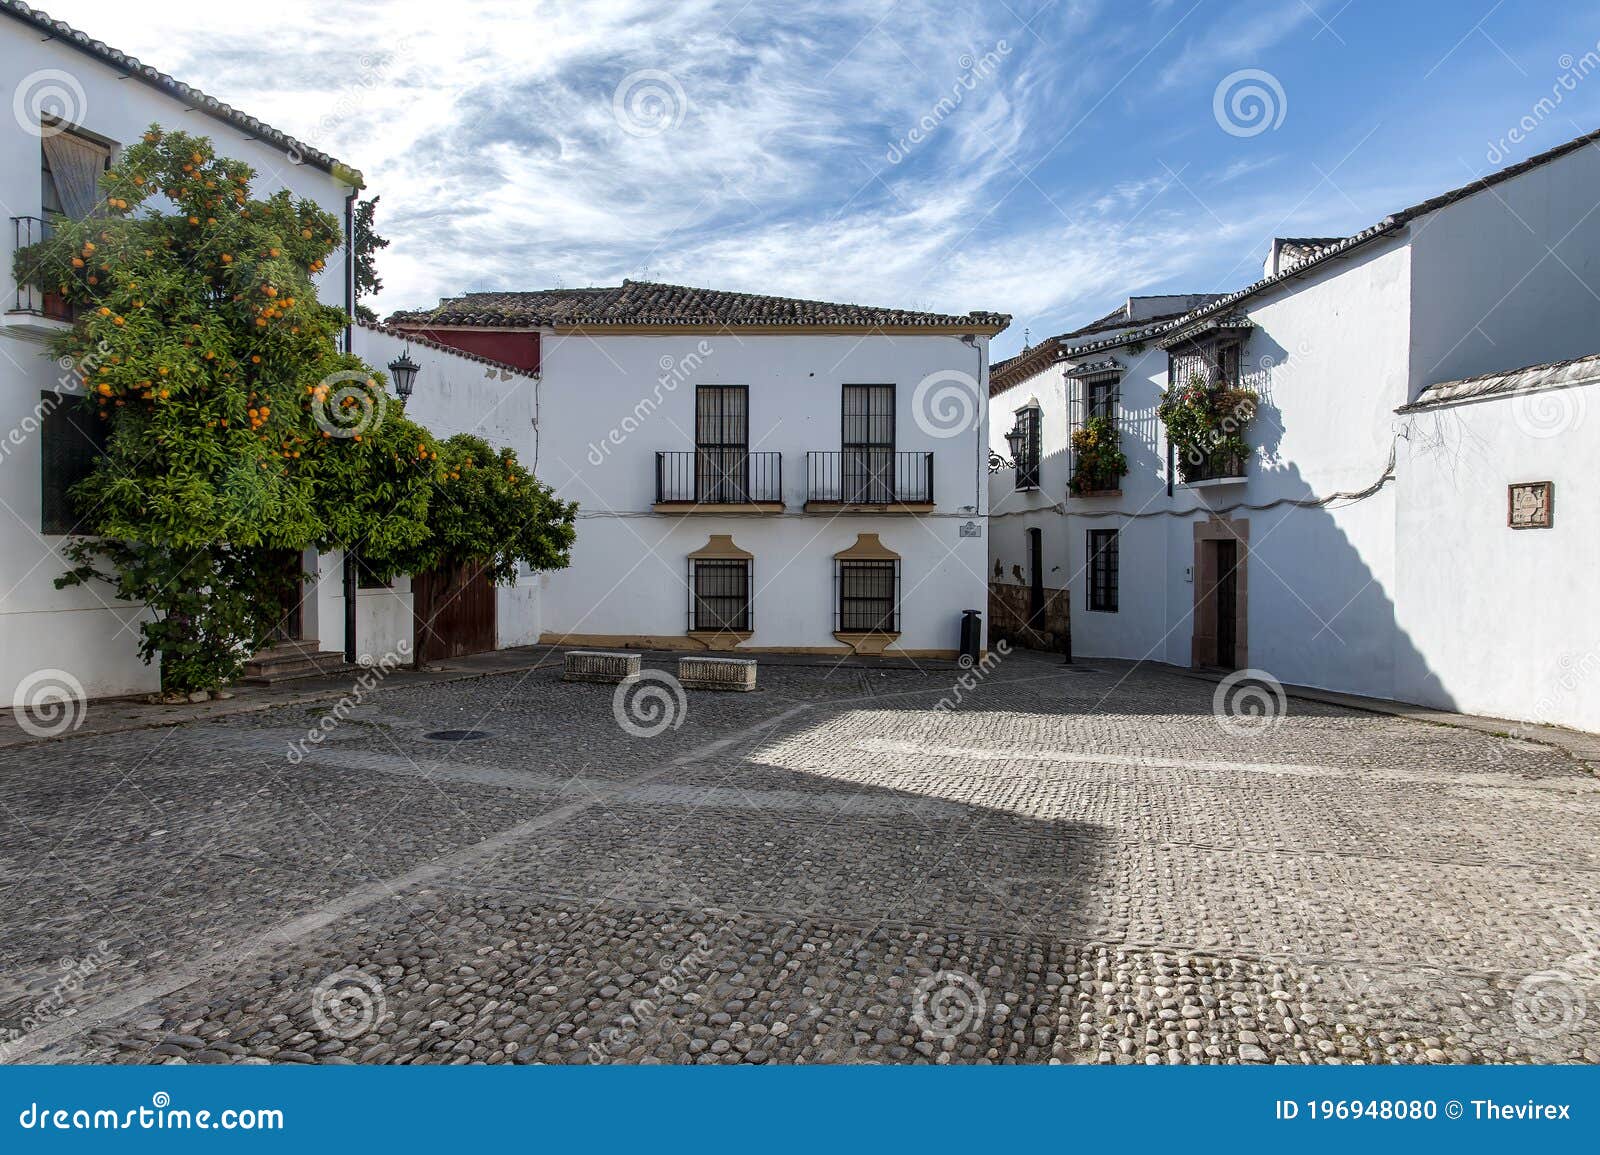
287,661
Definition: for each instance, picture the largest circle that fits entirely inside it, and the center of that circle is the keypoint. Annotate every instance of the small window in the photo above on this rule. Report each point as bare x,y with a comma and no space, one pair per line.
1102,398
720,595
869,595
72,439
70,168
1103,570
1030,426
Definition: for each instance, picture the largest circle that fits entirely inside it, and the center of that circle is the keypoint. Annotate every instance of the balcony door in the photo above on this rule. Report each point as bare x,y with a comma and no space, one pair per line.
867,461
722,443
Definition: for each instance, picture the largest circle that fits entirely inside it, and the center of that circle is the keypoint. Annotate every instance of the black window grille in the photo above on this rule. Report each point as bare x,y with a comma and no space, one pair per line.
722,443
1101,397
1103,570
1030,426
869,597
71,439
719,595
867,472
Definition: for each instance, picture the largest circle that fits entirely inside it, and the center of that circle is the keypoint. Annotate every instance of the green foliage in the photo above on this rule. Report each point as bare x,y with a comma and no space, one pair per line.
1206,422
367,244
235,426
1097,455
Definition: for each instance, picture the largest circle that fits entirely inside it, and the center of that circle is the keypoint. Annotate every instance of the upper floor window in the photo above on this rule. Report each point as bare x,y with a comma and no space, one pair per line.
70,169
1216,363
722,443
867,473
1100,398
1028,446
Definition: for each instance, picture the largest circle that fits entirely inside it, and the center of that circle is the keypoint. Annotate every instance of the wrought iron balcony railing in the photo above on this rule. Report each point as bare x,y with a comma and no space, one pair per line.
1216,467
31,298
719,475
869,477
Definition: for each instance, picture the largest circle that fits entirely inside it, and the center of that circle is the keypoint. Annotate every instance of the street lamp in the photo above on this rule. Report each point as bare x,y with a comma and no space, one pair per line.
403,372
1016,439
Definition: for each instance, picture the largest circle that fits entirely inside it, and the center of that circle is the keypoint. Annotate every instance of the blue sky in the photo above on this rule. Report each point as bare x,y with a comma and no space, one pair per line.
1066,154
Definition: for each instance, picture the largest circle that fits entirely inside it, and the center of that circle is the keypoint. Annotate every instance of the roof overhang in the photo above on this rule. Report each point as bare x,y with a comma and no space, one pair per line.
1101,367
1206,328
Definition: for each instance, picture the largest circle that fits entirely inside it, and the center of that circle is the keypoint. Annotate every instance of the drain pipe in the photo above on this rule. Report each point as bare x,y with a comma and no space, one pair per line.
349,347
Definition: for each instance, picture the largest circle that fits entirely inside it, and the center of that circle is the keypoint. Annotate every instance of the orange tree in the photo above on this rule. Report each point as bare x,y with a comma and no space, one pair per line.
235,428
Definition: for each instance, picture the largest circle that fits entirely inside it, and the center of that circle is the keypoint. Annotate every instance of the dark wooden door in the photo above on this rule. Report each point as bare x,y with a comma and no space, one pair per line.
1227,604
289,593
454,607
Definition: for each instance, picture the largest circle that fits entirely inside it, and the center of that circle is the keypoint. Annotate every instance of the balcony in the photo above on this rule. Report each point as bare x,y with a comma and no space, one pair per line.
722,479
869,481
1218,469
35,309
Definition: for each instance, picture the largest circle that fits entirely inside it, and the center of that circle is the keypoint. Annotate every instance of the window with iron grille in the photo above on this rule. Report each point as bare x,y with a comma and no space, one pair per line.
1030,426
719,595
71,440
1100,397
722,443
1103,570
867,443
869,596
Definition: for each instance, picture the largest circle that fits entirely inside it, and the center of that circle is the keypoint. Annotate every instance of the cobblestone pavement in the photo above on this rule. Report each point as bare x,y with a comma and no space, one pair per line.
1077,865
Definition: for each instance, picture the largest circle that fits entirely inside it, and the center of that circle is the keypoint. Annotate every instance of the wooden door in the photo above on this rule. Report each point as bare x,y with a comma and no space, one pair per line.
1227,604
289,593
454,608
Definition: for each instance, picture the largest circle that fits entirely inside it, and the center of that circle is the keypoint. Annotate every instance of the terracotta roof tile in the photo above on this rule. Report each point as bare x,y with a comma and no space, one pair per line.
650,303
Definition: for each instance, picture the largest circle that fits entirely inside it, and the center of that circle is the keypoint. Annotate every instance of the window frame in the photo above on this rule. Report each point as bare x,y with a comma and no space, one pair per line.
850,623
722,463
1030,419
1103,570
56,515
867,465
744,620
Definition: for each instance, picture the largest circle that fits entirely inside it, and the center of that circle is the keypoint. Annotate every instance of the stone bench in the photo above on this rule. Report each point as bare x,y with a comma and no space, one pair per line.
699,673
600,666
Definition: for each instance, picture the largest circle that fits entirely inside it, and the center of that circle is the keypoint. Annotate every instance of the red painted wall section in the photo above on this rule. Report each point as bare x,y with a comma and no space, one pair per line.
519,349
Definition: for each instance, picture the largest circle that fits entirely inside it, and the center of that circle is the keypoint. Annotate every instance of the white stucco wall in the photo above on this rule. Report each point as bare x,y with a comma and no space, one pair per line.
1012,511
86,631
629,572
1502,621
1503,278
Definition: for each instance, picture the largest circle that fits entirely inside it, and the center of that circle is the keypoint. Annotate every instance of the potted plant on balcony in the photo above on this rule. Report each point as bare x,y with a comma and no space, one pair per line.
1206,421
1098,460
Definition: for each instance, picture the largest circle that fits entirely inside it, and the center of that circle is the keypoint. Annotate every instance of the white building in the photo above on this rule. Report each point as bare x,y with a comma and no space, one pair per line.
75,102
1363,546
752,472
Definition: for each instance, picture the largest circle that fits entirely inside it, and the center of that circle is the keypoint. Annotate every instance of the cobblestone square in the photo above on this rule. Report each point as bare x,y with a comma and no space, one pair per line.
1081,865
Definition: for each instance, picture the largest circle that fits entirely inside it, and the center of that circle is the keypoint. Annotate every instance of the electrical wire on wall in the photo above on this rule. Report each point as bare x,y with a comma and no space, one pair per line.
1351,497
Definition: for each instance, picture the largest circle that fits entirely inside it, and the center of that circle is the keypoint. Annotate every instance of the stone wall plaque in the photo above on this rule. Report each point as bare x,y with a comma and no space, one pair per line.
1532,505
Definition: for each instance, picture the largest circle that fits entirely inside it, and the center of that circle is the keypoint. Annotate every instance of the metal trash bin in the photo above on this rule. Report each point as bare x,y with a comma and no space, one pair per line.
971,637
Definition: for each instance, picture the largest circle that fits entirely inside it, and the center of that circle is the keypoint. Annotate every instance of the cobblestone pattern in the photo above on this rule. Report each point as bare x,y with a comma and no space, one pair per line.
1073,866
